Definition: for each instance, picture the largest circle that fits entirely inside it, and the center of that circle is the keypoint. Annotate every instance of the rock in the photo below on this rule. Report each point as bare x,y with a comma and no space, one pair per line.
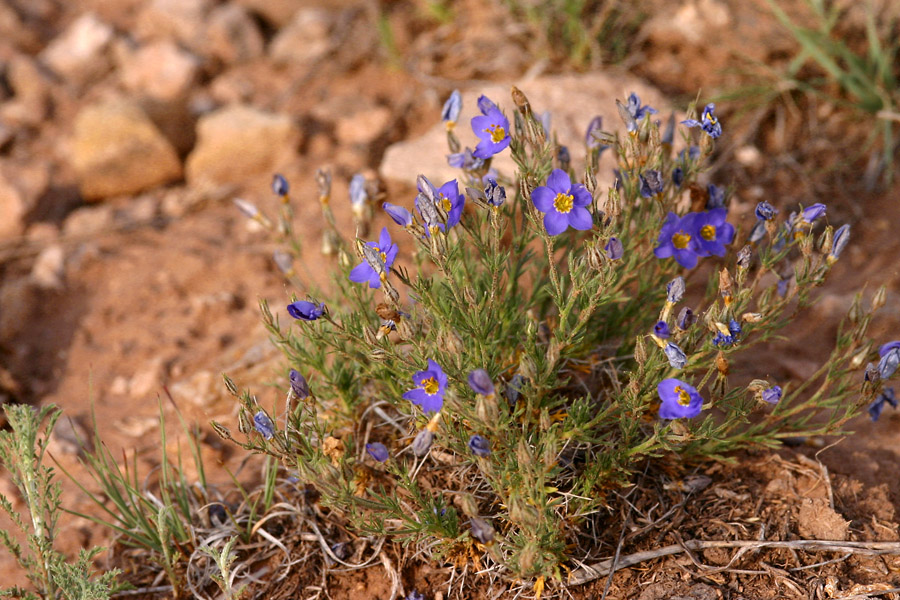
363,126
305,39
48,271
238,142
182,20
14,30
148,379
88,221
232,36
13,208
160,70
79,54
31,88
117,150
818,521
573,101
276,12
197,390
692,22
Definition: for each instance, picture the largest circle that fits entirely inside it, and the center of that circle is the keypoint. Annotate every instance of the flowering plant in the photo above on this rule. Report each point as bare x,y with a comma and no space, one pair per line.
490,391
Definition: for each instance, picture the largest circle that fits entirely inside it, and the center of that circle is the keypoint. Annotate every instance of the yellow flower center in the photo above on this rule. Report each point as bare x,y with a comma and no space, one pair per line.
708,232
445,203
430,386
497,133
382,254
563,202
681,240
684,398
710,118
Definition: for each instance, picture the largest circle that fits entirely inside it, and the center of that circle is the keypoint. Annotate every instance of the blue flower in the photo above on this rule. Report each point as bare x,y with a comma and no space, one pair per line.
590,136
386,252
400,215
841,239
264,425
716,197
479,445
678,238
280,185
889,363
299,385
614,249
358,193
414,595
563,203
661,330
465,160
722,340
306,311
887,395
514,389
451,201
685,319
494,193
637,111
708,122
492,128
482,530
812,213
676,356
481,383
735,329
765,211
451,110
431,385
888,347
675,290
781,288
377,451
563,157
714,233
679,399
772,395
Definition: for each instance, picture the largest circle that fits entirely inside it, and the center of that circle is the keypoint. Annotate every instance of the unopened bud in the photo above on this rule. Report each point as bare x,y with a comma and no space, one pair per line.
369,335
528,558
467,505
521,101
722,364
553,352
879,298
751,317
330,243
859,358
422,443
378,355
486,409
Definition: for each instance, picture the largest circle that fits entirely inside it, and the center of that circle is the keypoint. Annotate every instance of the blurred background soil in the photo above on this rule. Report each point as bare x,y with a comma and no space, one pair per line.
127,127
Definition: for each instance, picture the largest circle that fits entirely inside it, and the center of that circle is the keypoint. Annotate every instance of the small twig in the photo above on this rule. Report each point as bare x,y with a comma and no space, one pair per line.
591,572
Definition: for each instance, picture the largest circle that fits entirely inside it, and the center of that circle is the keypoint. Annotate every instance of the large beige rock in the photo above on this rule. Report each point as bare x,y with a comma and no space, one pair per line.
573,100
237,142
305,39
160,70
80,53
116,149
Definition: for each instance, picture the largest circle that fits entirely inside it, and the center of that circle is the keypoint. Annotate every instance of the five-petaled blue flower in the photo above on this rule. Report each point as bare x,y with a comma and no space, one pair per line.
679,399
431,385
714,233
378,451
678,238
708,122
387,251
492,129
306,311
563,203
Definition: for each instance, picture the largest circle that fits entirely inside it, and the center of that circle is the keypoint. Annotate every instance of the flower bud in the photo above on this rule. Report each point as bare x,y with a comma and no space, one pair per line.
879,298
377,451
675,290
263,424
299,385
482,530
479,446
422,442
481,383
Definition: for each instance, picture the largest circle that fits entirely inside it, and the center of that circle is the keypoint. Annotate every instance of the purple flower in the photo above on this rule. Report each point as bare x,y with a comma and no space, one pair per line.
714,233
563,203
481,530
494,193
492,128
735,329
414,595
887,395
400,215
772,395
465,160
678,238
716,197
264,425
481,383
590,136
841,239
280,185
637,111
386,252
676,356
431,385
888,347
452,107
675,290
514,388
299,385
422,443
781,288
679,399
812,213
685,319
661,330
451,201
651,183
614,249
479,445
377,451
708,122
563,158
889,363
358,193
306,311
765,211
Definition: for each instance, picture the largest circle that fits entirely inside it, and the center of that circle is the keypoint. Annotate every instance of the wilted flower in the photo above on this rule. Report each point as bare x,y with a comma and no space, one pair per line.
889,362
299,385
422,442
306,311
708,122
432,383
400,215
887,395
841,238
590,137
378,451
386,252
675,290
280,185
765,211
264,425
685,319
812,213
358,193
743,257
679,399
714,232
482,530
492,128
494,193
479,445
248,209
465,160
637,111
651,183
614,249
772,395
676,356
563,203
514,388
452,107
481,383
678,238
661,330
716,197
